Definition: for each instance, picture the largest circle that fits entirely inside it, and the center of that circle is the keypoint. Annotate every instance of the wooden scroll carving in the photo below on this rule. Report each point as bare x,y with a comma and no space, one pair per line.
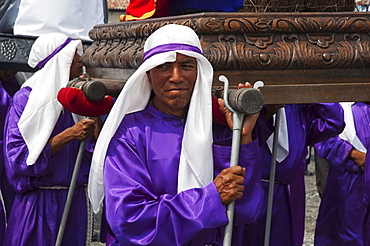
294,52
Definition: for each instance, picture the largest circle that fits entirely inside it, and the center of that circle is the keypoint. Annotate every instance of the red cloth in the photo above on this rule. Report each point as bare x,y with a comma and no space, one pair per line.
75,101
218,116
144,9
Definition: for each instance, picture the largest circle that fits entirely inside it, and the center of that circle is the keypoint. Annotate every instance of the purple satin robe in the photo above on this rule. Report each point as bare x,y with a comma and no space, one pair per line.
141,172
5,101
366,219
36,213
307,124
342,208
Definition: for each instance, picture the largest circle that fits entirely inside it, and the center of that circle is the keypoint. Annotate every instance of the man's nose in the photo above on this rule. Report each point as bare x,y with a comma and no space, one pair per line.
176,74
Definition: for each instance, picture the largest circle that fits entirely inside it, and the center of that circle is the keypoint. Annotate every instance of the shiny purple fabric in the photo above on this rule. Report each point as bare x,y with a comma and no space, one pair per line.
5,101
141,171
366,219
342,208
170,47
307,124
36,213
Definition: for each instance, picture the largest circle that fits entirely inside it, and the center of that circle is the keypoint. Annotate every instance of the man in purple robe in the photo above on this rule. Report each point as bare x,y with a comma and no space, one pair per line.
366,219
301,125
342,208
8,86
167,174
41,143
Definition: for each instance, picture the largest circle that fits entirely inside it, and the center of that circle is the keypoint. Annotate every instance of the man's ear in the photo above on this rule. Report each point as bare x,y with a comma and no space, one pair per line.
149,78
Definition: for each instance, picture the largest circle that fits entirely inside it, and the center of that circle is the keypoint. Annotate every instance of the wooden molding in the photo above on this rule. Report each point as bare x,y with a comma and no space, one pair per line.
235,41
300,57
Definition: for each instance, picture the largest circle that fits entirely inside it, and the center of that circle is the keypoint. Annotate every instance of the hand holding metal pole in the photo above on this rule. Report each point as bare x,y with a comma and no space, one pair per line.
244,101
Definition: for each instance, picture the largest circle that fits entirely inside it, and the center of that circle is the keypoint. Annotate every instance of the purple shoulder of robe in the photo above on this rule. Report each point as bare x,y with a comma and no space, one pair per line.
36,213
141,171
342,209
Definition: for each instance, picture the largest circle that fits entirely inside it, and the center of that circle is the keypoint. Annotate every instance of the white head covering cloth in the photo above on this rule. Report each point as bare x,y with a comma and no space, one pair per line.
349,132
283,140
43,109
196,160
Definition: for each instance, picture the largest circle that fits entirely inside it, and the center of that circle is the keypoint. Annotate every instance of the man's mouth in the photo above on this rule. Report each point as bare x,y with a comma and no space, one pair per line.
176,89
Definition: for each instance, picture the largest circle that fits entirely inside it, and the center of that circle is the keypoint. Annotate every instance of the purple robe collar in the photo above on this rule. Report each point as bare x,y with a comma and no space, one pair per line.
42,63
170,47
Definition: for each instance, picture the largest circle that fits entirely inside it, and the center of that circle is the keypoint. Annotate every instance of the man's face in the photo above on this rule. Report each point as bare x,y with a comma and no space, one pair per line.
76,67
173,84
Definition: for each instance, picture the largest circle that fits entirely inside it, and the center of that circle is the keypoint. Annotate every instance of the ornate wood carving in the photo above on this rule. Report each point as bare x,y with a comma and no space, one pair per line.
234,41
301,57
14,52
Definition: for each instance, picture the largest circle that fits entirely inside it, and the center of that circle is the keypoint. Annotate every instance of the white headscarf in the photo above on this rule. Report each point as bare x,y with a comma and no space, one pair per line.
54,52
349,132
196,159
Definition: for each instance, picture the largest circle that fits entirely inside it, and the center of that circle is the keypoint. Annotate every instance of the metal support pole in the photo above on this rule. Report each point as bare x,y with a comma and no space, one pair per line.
234,159
237,123
70,193
272,178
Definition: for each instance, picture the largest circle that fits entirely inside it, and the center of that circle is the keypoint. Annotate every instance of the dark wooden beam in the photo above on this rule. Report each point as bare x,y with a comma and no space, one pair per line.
300,57
14,51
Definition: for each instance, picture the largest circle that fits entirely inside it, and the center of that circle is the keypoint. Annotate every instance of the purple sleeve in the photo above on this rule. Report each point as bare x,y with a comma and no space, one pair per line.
140,215
336,151
325,120
247,208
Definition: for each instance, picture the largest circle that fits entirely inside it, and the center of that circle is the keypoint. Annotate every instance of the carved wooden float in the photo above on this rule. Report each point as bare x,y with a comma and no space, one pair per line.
15,50
300,57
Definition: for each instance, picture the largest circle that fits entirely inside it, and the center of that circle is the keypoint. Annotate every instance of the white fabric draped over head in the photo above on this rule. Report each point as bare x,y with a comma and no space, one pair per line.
54,52
196,159
349,133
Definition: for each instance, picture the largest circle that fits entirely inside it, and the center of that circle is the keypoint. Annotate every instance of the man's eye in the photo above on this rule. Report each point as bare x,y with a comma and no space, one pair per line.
163,66
188,66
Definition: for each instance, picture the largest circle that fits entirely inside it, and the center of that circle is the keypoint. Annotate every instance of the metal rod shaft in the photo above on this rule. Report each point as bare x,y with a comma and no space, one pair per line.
234,159
70,193
272,178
